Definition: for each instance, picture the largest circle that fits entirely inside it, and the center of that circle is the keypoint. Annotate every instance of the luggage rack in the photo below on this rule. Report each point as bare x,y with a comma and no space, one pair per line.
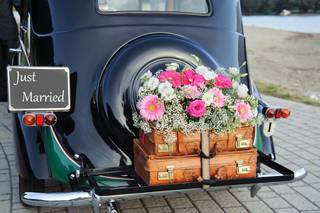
95,195
136,186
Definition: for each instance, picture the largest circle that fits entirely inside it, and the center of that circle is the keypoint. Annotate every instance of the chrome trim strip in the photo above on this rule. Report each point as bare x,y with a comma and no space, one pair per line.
68,199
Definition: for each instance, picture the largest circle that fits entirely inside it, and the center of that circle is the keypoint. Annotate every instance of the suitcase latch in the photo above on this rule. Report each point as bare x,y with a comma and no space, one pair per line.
242,143
168,147
242,169
168,175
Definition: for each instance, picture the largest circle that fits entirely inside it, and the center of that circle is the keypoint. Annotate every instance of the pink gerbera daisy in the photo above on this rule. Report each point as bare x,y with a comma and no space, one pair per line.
243,111
151,108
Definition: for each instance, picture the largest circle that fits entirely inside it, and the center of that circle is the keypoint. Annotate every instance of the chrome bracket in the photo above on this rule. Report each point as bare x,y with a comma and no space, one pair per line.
255,189
96,202
111,206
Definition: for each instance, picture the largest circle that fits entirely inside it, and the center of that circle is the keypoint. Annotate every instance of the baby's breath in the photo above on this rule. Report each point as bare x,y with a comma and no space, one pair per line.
176,117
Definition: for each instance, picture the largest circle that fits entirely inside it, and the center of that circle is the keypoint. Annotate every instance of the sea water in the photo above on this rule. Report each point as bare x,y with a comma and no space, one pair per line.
303,24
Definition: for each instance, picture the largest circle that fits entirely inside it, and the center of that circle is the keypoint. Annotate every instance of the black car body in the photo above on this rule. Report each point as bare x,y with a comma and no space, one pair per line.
106,51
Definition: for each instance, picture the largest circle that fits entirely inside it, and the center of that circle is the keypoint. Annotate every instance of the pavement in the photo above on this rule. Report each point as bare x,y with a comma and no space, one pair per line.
297,145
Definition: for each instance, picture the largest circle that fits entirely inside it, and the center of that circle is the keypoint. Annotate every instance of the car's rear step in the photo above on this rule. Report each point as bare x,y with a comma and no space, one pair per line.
97,196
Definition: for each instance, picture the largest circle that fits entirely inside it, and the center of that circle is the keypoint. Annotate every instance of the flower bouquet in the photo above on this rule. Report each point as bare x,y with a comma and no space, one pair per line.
195,99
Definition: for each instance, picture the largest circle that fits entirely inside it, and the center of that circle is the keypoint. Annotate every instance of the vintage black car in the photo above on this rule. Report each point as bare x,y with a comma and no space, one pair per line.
103,46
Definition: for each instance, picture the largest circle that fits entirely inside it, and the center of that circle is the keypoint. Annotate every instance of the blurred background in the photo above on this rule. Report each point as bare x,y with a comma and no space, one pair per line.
283,41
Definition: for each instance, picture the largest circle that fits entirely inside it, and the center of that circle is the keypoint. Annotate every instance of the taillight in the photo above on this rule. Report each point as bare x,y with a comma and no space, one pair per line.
277,113
285,113
39,119
270,113
29,119
50,119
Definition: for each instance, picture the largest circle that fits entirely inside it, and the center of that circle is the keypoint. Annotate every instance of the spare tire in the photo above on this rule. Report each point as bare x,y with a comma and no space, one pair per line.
119,82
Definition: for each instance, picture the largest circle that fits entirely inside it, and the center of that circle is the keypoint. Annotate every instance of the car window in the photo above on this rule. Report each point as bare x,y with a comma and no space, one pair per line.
180,6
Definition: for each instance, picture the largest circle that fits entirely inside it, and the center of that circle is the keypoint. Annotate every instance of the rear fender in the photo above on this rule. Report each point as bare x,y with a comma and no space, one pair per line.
30,155
263,143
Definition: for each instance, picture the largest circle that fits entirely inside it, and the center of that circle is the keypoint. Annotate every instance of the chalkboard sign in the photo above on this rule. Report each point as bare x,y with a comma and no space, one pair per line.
38,88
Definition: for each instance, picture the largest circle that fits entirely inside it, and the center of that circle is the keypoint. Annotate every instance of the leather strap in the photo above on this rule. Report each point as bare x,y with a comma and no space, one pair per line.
203,155
205,161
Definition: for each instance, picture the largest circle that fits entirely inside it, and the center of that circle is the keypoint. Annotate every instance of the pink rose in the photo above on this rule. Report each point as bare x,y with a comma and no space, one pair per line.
199,81
191,92
188,77
218,98
173,77
196,108
243,111
223,82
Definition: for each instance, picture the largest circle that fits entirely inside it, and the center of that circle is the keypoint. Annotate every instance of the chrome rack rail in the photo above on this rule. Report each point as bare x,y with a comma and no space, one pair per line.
95,195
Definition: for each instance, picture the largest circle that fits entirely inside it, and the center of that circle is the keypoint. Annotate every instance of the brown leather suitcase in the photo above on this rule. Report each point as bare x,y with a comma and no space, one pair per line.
159,170
154,144
241,139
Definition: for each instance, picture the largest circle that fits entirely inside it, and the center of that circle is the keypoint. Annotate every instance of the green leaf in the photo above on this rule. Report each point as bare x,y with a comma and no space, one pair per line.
243,64
198,60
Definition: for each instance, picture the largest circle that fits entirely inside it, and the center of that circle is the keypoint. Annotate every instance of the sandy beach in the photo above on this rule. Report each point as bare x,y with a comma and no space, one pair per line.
285,58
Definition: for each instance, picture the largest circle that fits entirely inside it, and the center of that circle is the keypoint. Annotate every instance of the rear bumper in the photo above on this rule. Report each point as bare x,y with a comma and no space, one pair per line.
94,198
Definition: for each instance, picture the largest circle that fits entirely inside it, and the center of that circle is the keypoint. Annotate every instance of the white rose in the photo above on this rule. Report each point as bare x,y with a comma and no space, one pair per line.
242,91
208,98
152,83
146,76
209,75
202,69
166,91
234,71
164,86
168,95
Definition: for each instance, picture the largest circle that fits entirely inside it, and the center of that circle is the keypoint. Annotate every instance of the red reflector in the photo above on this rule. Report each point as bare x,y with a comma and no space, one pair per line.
270,113
39,120
50,119
285,113
278,113
29,119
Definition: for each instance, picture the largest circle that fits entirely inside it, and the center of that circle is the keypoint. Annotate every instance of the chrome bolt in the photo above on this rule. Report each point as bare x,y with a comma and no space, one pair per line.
76,156
77,173
72,176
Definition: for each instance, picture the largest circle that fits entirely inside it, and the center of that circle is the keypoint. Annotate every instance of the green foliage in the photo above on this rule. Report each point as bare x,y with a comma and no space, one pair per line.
285,93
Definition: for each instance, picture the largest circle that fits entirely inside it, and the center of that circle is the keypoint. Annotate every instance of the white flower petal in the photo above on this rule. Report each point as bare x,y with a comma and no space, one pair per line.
234,71
146,76
152,83
242,91
208,98
209,75
202,69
